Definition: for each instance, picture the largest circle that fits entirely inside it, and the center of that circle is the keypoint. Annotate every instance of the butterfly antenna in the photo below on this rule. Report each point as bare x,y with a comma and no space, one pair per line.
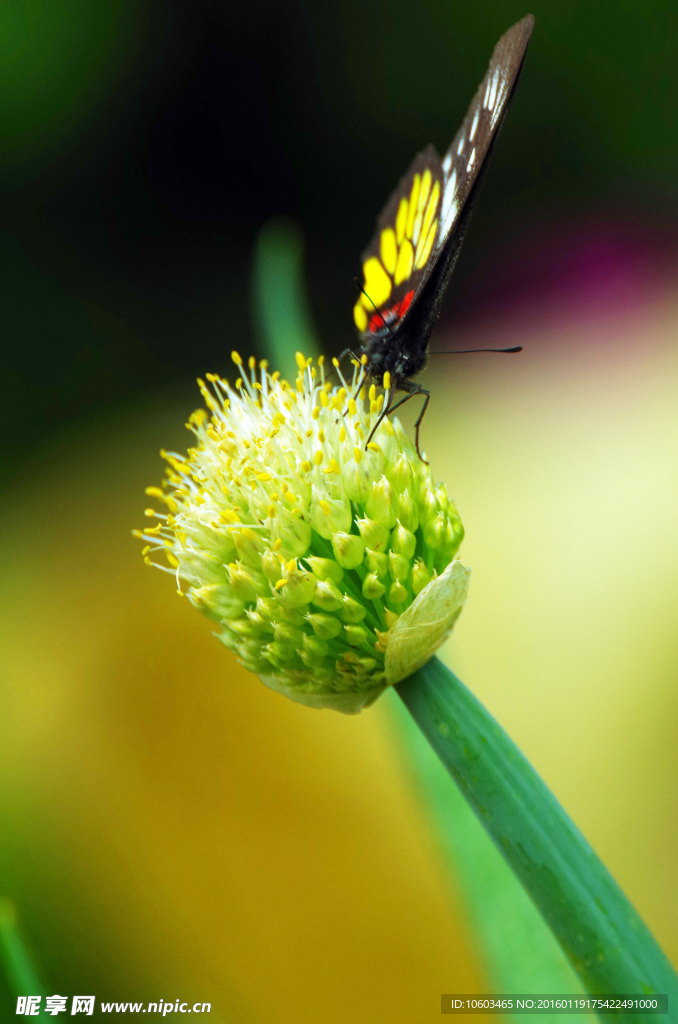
468,351
363,292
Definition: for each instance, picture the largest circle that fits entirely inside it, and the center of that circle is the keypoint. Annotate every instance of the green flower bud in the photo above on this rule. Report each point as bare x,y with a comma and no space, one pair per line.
420,577
286,634
294,616
272,564
219,601
408,513
242,582
349,549
328,596
391,617
376,561
326,569
326,627
315,646
398,566
397,593
381,504
441,495
374,534
229,639
249,547
434,531
203,570
244,627
355,635
268,608
309,659
400,474
329,515
406,446
373,589
428,506
280,654
299,588
358,473
292,531
352,611
403,541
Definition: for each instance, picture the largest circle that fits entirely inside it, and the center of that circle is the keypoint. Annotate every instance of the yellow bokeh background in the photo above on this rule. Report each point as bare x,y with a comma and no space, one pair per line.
174,829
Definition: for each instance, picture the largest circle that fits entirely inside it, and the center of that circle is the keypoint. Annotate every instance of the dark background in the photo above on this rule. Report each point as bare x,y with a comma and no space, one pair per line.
146,143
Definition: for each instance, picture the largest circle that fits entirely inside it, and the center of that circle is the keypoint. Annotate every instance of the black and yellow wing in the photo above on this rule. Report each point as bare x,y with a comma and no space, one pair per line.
427,214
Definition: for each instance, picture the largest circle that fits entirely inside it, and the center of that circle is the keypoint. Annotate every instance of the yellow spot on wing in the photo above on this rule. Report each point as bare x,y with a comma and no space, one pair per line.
405,262
417,227
377,283
425,189
428,245
428,217
388,249
414,198
401,221
360,317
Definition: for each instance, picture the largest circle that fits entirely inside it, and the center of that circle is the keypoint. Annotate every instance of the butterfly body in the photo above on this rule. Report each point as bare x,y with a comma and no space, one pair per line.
419,234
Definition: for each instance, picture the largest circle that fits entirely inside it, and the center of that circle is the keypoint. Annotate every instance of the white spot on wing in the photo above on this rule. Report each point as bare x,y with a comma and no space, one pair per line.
448,216
498,109
474,125
447,163
471,160
461,145
493,91
450,206
487,92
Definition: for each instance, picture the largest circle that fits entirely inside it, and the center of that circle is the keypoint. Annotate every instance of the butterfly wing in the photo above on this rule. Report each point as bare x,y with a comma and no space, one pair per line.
395,262
427,214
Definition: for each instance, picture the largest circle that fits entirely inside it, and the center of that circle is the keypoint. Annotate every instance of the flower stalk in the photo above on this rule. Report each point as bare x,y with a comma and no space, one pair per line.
601,934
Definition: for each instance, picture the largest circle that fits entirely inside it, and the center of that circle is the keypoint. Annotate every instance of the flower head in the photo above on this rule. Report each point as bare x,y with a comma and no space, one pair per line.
305,537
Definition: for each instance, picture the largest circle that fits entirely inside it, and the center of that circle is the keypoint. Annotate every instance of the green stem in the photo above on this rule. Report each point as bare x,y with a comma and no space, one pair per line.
601,934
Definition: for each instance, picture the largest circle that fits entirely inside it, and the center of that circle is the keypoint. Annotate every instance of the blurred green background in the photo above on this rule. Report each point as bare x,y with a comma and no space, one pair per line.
170,826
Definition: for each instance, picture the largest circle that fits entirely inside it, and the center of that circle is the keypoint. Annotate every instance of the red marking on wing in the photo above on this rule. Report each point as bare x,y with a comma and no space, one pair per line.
390,317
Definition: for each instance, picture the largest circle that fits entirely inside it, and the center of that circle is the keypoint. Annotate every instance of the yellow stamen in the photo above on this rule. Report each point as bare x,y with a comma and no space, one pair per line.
387,381
301,361
357,454
280,584
237,358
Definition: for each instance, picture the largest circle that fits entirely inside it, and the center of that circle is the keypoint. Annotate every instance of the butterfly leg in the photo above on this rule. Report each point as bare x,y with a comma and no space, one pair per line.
427,399
412,389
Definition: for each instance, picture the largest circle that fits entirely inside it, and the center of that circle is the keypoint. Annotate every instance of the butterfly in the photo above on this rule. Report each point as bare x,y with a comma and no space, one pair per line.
408,264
